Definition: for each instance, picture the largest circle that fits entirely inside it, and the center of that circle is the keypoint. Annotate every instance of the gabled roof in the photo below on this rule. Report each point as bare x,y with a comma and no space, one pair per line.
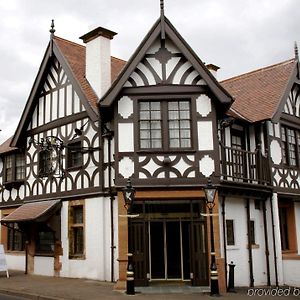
221,94
6,148
75,56
260,94
72,58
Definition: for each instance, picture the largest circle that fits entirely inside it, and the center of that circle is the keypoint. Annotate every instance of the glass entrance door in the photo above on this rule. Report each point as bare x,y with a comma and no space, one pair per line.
169,256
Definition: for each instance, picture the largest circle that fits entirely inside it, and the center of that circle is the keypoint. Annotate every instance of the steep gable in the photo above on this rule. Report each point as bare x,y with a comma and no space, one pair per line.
261,94
69,59
164,62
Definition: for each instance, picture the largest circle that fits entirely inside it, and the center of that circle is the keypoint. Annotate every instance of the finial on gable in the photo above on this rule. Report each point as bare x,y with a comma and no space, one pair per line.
52,30
296,51
162,19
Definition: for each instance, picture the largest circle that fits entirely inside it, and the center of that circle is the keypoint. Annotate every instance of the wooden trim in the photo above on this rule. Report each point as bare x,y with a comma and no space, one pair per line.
164,89
58,122
170,194
279,110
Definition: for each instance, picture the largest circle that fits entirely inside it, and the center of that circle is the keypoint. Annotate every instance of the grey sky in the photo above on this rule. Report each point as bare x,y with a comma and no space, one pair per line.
237,35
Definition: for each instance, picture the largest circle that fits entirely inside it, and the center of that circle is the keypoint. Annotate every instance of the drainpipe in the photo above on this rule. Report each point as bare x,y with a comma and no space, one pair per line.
274,243
249,244
224,238
266,242
112,198
108,134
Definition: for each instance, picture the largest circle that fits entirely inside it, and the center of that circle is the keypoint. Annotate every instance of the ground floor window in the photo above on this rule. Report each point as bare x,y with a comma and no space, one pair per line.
15,238
76,229
45,240
230,233
287,225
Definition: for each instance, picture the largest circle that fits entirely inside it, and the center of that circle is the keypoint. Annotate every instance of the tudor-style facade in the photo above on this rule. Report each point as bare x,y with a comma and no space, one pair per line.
163,120
267,100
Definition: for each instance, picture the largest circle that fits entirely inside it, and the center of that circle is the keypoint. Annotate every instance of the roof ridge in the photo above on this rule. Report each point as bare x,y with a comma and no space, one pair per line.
258,70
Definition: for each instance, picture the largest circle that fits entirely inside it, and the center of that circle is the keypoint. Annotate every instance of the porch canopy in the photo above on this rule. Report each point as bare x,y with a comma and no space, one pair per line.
33,212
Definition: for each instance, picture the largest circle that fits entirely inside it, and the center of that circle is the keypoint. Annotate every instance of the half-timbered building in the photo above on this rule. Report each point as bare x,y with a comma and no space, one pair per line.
163,120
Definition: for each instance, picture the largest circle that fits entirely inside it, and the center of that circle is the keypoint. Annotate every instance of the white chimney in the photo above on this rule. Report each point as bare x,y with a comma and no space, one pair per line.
213,69
98,59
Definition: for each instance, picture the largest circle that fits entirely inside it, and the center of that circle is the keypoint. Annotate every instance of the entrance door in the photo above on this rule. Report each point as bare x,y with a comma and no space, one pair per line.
169,250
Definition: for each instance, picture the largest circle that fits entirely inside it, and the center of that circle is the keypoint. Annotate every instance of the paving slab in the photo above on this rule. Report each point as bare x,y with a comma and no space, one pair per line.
54,288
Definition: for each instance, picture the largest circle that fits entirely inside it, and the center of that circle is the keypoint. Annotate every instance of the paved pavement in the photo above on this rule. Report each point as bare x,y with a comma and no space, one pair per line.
53,288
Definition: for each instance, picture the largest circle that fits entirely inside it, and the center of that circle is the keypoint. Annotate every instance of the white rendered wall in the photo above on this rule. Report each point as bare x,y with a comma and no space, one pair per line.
291,268
97,262
43,266
15,261
291,272
297,219
235,209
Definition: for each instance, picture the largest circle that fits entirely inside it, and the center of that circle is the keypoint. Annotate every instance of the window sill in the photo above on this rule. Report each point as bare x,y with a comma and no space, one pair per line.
13,184
232,247
77,257
286,255
167,152
44,254
254,246
15,252
77,168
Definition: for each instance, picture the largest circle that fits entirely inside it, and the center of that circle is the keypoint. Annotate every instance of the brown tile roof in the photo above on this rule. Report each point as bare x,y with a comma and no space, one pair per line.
75,56
31,211
258,93
5,147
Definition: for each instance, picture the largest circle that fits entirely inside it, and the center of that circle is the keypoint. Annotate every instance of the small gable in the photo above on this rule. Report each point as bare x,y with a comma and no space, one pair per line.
163,63
165,59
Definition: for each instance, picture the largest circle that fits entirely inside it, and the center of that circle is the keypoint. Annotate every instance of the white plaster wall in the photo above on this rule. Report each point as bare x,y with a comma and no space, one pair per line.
291,272
239,254
205,135
297,219
15,261
43,266
97,262
126,138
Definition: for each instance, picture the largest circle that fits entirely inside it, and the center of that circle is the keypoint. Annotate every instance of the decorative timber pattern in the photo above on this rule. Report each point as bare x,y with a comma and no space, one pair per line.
58,112
163,63
292,106
283,176
57,99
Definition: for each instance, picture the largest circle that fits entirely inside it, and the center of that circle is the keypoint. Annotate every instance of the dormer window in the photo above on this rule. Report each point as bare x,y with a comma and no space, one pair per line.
14,168
165,125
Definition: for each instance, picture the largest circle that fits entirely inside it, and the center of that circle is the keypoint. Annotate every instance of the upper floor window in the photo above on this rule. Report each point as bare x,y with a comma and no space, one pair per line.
45,166
165,124
75,159
290,146
14,167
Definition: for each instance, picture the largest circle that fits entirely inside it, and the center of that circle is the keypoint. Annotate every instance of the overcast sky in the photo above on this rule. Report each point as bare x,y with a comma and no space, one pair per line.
237,35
